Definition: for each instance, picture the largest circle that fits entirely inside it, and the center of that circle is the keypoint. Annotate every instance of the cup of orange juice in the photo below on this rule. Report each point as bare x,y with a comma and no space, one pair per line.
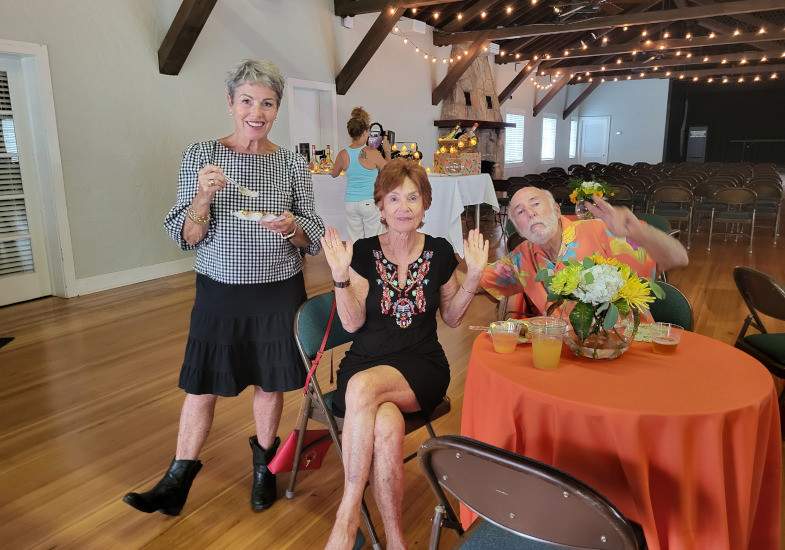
665,337
546,334
504,335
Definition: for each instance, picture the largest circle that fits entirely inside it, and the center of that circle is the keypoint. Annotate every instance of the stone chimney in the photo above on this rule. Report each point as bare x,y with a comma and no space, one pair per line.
474,98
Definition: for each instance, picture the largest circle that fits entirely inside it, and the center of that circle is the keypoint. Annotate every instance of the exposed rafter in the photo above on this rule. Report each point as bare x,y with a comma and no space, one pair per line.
356,7
555,89
384,23
529,69
578,100
717,72
469,15
455,72
682,61
182,34
678,14
670,44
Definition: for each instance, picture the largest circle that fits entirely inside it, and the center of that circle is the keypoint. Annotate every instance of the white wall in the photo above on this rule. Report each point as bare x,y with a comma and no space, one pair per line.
123,126
638,111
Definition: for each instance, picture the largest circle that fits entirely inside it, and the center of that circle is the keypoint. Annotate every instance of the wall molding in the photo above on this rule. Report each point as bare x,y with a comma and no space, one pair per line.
108,281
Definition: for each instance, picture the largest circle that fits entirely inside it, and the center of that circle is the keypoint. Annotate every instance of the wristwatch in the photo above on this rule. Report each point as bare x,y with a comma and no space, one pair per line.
341,284
290,235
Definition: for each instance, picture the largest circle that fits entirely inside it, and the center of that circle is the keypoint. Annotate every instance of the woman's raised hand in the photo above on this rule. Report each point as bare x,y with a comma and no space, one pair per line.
338,254
475,250
211,180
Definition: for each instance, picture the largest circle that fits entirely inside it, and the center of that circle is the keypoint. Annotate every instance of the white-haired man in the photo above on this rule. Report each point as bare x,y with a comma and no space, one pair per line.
552,239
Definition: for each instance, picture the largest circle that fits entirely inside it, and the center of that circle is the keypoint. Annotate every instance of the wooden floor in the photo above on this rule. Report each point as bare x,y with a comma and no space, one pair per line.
89,408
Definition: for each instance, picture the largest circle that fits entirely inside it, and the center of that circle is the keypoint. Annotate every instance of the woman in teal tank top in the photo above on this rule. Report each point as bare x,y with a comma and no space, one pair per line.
361,164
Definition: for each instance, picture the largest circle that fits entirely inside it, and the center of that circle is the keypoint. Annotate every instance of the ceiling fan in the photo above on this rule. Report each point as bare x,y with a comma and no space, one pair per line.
570,8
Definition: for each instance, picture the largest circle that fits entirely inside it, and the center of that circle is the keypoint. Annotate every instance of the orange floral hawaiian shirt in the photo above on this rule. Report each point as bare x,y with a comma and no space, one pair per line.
516,272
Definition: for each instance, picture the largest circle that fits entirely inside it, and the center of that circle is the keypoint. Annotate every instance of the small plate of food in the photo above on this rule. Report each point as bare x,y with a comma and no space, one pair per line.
256,216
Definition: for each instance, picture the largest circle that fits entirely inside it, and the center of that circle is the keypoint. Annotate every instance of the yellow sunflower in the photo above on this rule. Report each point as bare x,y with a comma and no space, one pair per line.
574,197
566,280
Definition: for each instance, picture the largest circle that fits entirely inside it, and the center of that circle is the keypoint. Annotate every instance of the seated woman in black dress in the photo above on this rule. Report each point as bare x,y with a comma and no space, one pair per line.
388,289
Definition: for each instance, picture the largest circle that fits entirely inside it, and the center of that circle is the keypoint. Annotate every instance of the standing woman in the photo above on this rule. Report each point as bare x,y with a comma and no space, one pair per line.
249,281
361,161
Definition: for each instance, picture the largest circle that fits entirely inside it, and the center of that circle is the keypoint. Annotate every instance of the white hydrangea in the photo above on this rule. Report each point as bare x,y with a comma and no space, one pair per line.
590,187
607,282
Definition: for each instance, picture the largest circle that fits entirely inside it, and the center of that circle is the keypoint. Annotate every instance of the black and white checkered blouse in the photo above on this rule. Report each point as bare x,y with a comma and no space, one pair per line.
242,252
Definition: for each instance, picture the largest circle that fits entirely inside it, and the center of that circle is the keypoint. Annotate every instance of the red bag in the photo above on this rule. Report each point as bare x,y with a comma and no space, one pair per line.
315,446
315,442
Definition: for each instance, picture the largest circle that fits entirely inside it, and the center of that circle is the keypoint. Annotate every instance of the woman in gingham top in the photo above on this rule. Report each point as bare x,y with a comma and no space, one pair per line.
249,280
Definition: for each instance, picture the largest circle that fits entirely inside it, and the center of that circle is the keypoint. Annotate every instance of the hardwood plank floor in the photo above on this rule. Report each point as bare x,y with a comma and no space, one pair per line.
89,408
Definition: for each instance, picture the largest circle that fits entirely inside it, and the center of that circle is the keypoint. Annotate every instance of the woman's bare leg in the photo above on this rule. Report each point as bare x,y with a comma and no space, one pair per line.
387,472
365,392
267,407
196,419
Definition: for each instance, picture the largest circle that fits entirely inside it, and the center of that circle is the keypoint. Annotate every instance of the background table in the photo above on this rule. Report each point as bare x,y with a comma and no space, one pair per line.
687,445
450,195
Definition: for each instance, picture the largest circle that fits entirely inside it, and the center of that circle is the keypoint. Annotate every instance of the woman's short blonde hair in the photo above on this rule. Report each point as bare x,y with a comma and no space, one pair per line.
253,71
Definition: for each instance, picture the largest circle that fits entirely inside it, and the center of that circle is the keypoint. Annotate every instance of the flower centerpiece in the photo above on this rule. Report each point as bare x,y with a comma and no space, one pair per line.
609,298
583,191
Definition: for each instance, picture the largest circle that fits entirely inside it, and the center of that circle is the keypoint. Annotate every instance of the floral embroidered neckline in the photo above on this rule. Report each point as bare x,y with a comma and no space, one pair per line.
403,303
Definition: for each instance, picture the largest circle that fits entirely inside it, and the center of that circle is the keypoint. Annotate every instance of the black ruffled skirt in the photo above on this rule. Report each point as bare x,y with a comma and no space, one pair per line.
242,335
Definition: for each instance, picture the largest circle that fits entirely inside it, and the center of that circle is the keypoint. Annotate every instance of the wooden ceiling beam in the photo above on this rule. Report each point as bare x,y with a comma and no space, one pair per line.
523,75
716,72
455,72
182,34
629,19
578,100
468,15
555,89
749,56
670,44
365,50
747,18
345,8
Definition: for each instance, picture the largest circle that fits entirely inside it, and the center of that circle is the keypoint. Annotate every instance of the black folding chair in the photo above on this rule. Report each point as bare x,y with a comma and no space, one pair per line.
523,503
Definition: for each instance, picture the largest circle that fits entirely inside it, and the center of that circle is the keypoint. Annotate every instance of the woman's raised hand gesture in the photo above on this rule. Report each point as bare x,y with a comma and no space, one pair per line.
338,254
475,250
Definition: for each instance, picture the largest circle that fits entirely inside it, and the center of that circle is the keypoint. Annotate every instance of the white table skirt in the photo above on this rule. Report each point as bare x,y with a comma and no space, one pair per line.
450,194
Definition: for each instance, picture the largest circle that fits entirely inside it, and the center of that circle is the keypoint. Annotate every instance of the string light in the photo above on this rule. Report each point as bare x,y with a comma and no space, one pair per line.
459,16
536,57
710,80
433,60
502,53
547,56
405,40
678,53
566,53
615,78
604,40
584,46
603,80
764,59
395,29
774,76
642,73
743,61
666,35
509,10
483,15
414,11
756,79
590,79
629,77
762,30
724,61
695,79
618,61
392,11
688,36
689,54
579,77
668,73
737,32
741,79
712,35
436,15
681,77
645,32
634,52
534,2
725,80
706,59
517,56
624,28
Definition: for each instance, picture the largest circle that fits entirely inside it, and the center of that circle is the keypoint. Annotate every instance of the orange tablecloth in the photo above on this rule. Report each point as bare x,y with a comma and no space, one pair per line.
687,445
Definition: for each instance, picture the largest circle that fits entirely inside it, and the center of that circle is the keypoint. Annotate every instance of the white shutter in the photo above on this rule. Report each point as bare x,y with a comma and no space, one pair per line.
16,253
548,150
573,138
513,139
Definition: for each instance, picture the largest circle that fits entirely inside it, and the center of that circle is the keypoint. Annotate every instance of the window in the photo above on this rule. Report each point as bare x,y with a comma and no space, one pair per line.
513,139
548,151
467,97
573,138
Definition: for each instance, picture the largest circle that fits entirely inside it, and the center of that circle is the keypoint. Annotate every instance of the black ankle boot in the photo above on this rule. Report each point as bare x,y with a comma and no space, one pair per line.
263,490
169,494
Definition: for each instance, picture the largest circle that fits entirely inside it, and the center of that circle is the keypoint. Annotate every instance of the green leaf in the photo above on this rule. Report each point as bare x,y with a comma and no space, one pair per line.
636,317
553,297
553,307
611,317
622,306
587,263
581,319
657,290
588,278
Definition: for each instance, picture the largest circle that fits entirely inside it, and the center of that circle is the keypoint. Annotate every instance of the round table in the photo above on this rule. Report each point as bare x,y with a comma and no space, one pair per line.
687,445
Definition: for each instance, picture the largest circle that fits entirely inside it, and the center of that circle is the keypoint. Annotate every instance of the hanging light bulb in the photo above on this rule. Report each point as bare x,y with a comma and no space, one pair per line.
764,59
629,77
756,79
425,56
724,62
710,80
712,35
618,61
602,68
417,50
688,36
695,79
666,35
774,76
645,33
536,57
681,77
433,60
642,73
706,59
668,73
634,52
459,16
741,79
615,78
405,40
604,40
502,53
689,54
583,45
436,15
517,56
566,53
509,10
762,30
414,11
590,79
743,61
737,32
724,79
648,42
678,53
395,29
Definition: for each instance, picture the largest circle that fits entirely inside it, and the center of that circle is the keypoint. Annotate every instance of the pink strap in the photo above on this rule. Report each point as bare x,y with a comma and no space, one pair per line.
315,362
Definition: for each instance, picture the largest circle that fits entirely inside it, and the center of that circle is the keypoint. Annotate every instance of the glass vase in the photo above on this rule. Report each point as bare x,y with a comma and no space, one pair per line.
602,343
582,211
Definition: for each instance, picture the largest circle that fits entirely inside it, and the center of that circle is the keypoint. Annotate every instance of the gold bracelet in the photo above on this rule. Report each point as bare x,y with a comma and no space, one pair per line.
196,218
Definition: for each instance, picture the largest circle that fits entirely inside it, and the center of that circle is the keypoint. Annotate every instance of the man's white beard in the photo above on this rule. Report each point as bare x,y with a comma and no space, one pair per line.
551,226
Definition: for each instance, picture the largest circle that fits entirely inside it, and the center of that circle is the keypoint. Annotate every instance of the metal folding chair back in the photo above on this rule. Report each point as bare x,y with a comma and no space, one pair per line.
674,308
734,206
528,503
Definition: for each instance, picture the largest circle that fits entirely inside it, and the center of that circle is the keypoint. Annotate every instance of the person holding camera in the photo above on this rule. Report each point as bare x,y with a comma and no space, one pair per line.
361,161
